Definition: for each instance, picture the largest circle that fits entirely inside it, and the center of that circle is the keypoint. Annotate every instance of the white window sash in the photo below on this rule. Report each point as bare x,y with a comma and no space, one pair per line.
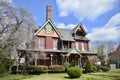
41,42
77,45
55,41
83,46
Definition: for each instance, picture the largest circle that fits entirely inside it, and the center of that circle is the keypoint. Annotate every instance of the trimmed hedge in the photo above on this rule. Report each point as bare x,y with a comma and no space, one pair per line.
88,66
105,68
37,69
56,68
74,72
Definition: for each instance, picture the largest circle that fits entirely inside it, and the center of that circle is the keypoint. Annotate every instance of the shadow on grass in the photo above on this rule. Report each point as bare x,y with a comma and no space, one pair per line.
66,77
115,77
89,78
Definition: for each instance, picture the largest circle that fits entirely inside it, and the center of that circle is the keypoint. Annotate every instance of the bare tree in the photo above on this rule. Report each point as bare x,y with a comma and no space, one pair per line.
100,48
110,46
13,26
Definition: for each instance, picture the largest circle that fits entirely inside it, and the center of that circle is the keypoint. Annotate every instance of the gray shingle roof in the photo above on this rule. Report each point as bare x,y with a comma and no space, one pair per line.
66,34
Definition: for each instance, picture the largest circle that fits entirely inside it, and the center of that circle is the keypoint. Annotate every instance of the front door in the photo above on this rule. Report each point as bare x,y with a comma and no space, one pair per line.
73,59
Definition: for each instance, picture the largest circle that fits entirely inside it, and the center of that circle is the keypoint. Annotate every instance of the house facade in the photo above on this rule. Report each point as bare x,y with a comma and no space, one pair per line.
55,46
114,57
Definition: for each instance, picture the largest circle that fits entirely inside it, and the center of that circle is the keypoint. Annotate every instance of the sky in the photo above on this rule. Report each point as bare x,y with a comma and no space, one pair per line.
100,18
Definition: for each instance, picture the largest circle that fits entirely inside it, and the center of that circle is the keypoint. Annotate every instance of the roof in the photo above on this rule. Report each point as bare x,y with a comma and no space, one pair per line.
115,53
81,38
79,25
66,34
60,51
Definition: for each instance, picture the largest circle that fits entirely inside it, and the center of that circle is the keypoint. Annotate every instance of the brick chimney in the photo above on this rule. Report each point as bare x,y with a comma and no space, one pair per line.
48,12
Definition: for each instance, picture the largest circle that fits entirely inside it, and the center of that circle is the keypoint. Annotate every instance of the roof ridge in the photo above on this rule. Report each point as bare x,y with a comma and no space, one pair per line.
64,29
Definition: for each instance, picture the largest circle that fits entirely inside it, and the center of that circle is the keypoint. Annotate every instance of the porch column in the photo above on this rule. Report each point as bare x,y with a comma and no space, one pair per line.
63,59
79,62
67,57
51,55
62,44
36,57
68,44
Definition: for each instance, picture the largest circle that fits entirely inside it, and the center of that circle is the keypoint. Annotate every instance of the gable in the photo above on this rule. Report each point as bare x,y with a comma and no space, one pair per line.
48,29
80,28
73,51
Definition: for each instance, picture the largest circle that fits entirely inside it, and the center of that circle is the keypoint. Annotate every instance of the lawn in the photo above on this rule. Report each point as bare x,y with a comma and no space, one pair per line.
111,75
8,76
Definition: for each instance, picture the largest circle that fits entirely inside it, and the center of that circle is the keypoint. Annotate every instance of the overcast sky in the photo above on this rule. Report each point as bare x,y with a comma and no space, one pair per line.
101,18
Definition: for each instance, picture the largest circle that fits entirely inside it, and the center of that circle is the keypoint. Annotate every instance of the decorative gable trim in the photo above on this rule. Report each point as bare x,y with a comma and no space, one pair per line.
53,26
77,27
73,51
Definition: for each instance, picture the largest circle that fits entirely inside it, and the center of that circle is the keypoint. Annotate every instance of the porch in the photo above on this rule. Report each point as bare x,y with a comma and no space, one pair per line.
53,57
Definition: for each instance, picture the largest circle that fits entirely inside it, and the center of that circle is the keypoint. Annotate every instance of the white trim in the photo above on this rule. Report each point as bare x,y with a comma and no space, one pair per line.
41,42
83,46
77,45
55,43
52,25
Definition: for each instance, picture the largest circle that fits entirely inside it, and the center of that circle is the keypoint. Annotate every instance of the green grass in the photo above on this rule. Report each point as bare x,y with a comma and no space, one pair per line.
14,76
111,75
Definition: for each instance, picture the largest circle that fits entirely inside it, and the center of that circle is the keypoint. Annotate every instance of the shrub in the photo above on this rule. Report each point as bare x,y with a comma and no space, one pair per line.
88,66
94,68
14,69
37,69
66,65
5,64
56,68
74,72
105,68
43,68
99,67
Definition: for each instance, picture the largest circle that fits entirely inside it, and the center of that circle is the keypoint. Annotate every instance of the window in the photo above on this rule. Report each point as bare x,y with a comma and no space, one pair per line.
42,42
83,46
77,44
55,43
55,60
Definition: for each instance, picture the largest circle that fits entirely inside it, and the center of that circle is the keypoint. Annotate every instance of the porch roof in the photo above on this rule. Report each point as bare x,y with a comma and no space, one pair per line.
69,51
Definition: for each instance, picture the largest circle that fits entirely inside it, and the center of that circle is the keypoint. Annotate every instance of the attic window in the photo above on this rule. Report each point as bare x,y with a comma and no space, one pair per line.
79,33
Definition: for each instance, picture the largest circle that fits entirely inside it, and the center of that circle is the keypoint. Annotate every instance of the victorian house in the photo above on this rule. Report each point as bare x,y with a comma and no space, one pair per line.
55,46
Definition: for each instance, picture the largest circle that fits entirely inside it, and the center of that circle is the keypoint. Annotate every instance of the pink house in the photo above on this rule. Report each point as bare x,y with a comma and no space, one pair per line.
60,45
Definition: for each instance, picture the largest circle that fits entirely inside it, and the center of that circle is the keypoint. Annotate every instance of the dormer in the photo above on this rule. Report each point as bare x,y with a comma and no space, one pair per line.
79,32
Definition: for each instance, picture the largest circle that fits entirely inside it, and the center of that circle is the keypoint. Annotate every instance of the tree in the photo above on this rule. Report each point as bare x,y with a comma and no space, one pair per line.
13,23
110,47
88,66
103,49
13,28
100,48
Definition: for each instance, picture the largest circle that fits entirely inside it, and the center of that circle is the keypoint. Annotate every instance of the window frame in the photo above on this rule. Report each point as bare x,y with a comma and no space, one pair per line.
55,43
83,46
77,45
42,42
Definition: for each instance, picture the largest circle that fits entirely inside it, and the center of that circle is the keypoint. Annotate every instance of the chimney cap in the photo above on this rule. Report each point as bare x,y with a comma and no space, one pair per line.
48,7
